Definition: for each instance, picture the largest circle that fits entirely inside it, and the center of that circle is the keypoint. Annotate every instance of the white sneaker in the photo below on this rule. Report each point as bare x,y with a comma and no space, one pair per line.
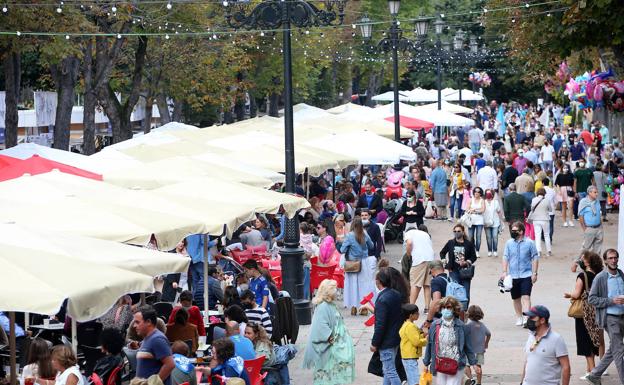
584,376
565,224
571,224
489,253
519,321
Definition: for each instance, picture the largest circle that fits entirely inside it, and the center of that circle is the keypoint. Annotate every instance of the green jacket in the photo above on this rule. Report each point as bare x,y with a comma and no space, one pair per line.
515,207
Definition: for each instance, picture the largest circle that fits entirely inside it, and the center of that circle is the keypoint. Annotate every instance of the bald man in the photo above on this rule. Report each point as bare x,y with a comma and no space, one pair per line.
243,347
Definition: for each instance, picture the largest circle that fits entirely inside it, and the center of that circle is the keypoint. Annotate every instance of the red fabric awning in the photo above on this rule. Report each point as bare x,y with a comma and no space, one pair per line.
11,168
412,123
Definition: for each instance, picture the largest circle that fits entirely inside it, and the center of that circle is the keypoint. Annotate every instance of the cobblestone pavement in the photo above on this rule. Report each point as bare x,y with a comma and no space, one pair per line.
505,358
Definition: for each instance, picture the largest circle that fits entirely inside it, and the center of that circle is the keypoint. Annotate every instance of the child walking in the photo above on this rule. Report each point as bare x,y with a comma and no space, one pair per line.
480,338
412,342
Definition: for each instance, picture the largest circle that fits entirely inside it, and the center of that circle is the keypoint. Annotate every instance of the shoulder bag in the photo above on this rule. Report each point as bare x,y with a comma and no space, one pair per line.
352,266
576,305
444,364
466,273
530,216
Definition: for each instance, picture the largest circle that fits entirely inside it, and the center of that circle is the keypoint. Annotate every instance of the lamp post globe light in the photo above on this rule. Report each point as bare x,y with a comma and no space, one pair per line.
278,14
393,44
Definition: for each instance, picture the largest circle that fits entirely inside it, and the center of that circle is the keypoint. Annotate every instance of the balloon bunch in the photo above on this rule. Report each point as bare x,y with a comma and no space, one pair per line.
482,79
596,89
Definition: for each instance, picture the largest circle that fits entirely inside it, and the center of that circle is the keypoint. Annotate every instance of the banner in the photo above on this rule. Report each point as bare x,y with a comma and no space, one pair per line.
45,108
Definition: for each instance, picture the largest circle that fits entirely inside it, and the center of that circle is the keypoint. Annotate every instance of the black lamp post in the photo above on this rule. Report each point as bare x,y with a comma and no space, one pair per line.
458,47
439,28
276,14
394,43
474,48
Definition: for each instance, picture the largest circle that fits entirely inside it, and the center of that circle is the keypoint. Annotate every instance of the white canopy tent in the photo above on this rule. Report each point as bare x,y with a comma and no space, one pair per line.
448,107
438,117
452,95
419,95
389,96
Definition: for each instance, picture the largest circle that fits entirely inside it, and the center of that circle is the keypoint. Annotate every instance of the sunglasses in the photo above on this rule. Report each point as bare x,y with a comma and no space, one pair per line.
458,232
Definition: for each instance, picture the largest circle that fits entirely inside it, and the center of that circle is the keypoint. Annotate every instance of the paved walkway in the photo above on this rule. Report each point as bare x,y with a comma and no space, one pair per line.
505,358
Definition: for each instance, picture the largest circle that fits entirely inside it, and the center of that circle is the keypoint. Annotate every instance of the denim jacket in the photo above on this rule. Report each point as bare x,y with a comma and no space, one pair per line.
463,344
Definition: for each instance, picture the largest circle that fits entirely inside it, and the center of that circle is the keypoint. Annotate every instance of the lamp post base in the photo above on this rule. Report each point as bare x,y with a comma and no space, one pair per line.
292,282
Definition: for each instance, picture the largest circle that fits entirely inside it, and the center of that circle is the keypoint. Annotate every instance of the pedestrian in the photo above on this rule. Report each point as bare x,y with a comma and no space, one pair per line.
359,281
449,349
476,210
601,180
257,283
547,154
479,338
525,185
583,178
550,196
154,355
374,233
388,322
547,361
514,206
413,211
418,244
565,194
607,296
412,342
492,222
65,363
587,344
460,255
370,200
521,262
456,191
540,216
487,177
509,176
329,350
440,190
591,221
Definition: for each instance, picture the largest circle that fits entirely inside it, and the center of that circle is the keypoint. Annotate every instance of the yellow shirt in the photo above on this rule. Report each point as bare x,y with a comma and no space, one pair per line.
412,340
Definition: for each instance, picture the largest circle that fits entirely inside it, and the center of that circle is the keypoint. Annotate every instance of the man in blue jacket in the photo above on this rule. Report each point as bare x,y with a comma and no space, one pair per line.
439,187
388,321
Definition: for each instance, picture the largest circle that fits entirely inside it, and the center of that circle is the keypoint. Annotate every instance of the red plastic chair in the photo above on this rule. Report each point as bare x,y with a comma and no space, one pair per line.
257,249
319,274
114,375
253,370
277,277
339,276
241,256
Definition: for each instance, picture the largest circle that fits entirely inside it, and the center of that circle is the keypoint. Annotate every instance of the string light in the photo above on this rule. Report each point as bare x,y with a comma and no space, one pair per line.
114,9
169,5
5,9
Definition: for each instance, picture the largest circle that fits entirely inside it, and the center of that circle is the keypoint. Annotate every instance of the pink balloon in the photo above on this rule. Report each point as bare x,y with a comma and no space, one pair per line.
619,87
598,93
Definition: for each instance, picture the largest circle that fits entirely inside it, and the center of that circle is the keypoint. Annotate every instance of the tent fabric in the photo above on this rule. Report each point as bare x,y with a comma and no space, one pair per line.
452,95
439,118
389,97
448,107
41,269
412,123
14,168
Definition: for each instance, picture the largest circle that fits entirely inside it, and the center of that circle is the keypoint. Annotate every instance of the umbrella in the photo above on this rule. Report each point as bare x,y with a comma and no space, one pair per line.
412,123
38,165
41,269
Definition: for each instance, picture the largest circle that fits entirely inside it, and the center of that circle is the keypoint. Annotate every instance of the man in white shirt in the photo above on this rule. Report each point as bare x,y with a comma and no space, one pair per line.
547,154
487,177
467,152
419,246
551,196
475,136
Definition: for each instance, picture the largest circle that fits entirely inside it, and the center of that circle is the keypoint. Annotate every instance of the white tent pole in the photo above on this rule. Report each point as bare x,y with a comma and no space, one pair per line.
13,348
26,320
206,309
74,330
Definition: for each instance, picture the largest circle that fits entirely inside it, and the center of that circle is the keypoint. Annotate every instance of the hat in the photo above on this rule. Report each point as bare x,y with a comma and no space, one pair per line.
538,311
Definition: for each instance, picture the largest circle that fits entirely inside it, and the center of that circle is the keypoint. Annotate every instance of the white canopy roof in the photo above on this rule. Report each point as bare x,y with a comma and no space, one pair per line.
452,95
439,118
449,107
389,96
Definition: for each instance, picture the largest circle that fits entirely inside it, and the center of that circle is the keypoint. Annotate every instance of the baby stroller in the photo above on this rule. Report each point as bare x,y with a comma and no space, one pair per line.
394,226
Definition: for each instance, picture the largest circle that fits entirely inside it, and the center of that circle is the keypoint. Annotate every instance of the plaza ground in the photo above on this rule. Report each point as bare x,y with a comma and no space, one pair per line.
505,357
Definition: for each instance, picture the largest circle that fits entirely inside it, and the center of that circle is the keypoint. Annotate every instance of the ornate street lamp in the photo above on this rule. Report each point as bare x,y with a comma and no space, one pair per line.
439,28
275,14
421,27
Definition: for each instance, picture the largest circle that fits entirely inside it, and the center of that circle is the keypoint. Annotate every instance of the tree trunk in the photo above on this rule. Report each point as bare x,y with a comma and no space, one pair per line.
163,109
119,113
90,101
274,104
147,121
178,109
253,107
65,75
239,109
12,76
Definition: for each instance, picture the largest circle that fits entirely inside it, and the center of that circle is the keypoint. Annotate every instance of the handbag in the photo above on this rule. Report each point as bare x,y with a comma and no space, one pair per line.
570,192
444,364
466,273
576,305
466,220
529,230
530,216
352,266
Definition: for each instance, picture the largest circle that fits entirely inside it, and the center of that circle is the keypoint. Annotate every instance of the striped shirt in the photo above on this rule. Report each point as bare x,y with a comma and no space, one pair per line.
260,316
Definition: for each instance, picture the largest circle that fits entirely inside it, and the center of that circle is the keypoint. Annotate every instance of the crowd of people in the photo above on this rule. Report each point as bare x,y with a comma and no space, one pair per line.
506,173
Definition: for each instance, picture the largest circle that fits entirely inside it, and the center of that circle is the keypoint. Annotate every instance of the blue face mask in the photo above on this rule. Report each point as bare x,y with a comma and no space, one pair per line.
447,314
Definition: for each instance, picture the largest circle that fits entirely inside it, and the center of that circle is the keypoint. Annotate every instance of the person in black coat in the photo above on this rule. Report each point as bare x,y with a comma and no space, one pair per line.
459,253
369,200
388,321
373,232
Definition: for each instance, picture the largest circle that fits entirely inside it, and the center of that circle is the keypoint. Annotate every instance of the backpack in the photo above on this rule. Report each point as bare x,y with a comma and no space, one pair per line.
454,289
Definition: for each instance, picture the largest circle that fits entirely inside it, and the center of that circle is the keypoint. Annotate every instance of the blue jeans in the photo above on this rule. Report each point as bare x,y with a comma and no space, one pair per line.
197,274
475,236
306,282
475,147
454,275
388,358
491,237
411,371
456,203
